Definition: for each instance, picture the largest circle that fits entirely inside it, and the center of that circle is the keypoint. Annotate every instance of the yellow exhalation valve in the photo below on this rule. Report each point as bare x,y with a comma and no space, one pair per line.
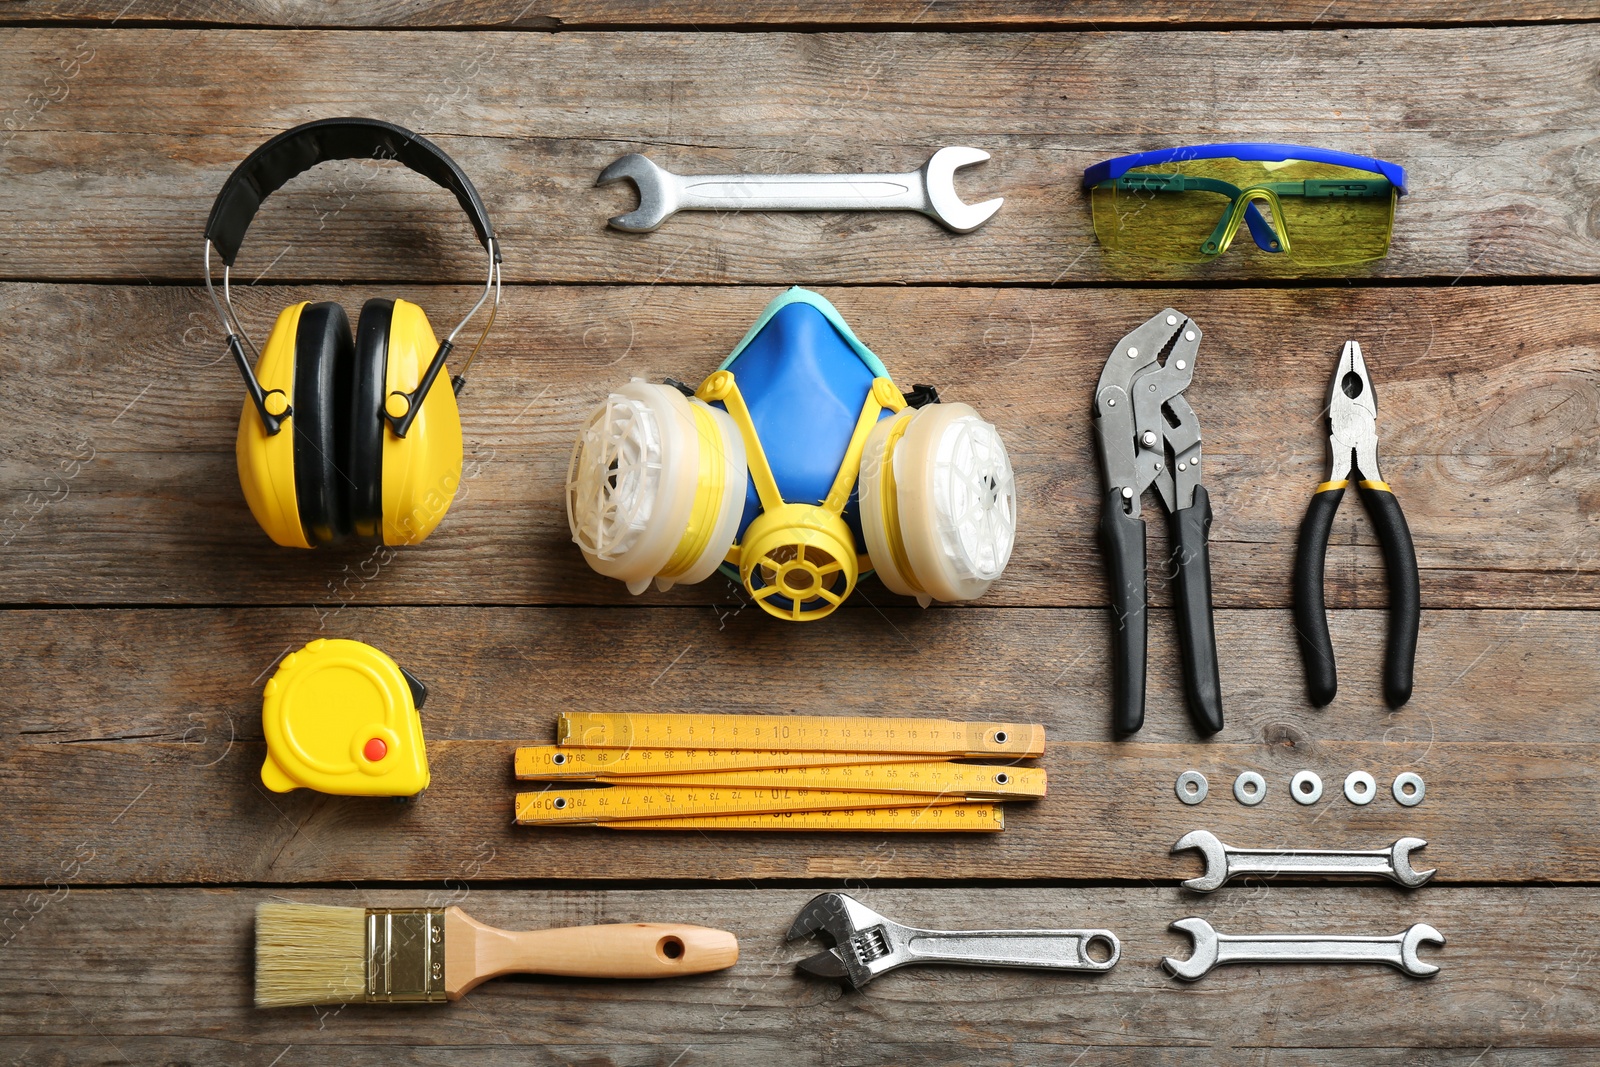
341,717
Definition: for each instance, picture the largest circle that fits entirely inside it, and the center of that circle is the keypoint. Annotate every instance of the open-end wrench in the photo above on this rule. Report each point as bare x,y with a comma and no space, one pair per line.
868,944
1212,949
930,190
1224,862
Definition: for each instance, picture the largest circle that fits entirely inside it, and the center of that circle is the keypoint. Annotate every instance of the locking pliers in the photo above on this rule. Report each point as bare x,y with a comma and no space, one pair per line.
1147,434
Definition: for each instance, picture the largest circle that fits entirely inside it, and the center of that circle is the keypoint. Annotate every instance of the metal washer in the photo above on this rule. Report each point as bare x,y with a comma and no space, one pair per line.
1246,797
1195,778
1406,778
1301,795
1359,788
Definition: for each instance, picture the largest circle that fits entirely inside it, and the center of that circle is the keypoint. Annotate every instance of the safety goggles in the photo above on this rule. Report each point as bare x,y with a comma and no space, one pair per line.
1185,205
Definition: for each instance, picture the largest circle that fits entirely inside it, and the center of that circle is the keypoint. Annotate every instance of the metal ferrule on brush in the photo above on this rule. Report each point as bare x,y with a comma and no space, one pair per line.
405,955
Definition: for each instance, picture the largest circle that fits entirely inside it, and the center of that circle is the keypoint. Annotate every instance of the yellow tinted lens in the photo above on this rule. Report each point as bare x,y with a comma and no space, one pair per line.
1178,211
1334,214
1149,217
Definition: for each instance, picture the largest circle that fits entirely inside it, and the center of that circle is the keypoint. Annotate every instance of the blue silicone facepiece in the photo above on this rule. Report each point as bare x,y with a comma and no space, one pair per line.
804,376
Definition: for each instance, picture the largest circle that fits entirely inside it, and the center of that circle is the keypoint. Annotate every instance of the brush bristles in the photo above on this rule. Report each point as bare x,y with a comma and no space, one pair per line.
310,954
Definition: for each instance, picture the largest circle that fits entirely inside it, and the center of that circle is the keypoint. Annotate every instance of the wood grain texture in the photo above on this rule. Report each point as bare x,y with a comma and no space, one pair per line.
147,611
139,733
1493,125
95,974
1488,399
910,14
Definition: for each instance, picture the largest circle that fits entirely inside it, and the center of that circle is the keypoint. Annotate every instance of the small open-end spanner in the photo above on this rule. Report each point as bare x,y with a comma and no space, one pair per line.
868,944
1212,949
1224,862
930,190
1146,434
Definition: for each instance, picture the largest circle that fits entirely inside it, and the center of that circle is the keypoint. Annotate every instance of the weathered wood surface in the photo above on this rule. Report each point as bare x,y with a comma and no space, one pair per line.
130,739
141,730
114,976
124,136
1488,401
709,14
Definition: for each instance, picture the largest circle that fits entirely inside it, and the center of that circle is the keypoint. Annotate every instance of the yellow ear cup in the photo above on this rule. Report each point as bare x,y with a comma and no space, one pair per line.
422,470
938,503
655,487
266,462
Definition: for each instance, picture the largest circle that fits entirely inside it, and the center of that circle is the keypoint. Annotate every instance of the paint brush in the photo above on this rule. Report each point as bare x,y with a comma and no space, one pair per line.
314,954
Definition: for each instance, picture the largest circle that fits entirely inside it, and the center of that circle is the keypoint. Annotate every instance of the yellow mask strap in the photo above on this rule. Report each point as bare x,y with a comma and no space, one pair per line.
707,497
890,502
721,386
883,395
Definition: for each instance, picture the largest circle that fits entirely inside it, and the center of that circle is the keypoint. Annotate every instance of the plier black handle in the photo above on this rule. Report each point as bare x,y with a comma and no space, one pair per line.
1353,443
1147,434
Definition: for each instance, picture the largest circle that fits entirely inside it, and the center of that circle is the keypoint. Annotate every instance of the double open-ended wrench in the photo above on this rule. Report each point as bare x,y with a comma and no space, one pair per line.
1224,862
930,190
1212,949
868,944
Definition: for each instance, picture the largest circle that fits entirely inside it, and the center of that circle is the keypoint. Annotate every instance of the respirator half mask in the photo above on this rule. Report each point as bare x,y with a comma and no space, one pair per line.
800,454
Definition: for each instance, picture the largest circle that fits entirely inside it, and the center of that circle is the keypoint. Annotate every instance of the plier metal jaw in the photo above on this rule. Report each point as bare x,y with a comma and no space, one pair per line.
1353,454
1146,434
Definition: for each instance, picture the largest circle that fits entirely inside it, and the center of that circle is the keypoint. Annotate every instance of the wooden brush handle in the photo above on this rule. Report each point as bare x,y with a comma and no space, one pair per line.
475,952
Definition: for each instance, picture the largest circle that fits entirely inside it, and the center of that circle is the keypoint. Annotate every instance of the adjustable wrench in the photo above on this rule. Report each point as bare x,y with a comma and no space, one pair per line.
868,944
1212,949
1224,862
930,190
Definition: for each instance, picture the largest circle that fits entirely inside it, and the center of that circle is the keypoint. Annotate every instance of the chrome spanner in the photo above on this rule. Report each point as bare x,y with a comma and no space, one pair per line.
868,944
1224,862
930,190
1212,949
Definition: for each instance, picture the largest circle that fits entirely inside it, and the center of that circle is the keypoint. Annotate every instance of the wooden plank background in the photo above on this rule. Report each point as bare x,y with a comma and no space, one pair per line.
144,609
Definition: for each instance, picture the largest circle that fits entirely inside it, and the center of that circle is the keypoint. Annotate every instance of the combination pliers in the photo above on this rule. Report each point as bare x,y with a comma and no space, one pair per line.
1147,434
1353,453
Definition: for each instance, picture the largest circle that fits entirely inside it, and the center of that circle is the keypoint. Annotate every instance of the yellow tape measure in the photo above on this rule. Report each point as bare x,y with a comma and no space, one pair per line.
553,762
800,733
918,778
562,806
943,818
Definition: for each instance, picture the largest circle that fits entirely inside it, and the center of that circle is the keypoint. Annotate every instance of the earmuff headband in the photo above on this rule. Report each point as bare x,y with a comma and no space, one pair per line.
296,151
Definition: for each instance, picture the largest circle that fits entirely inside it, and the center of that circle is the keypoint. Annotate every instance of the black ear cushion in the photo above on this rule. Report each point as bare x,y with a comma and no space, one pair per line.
364,431
323,354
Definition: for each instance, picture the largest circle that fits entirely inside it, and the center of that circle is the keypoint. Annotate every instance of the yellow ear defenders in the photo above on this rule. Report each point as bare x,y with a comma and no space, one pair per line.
658,487
373,449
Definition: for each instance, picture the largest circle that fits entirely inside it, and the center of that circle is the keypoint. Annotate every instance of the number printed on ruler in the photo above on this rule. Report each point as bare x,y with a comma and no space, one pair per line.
805,733
555,762
564,806
920,778
939,818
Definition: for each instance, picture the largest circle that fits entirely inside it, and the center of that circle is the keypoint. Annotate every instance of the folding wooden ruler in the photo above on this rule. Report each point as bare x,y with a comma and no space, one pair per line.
553,762
939,818
800,733
768,772
921,778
